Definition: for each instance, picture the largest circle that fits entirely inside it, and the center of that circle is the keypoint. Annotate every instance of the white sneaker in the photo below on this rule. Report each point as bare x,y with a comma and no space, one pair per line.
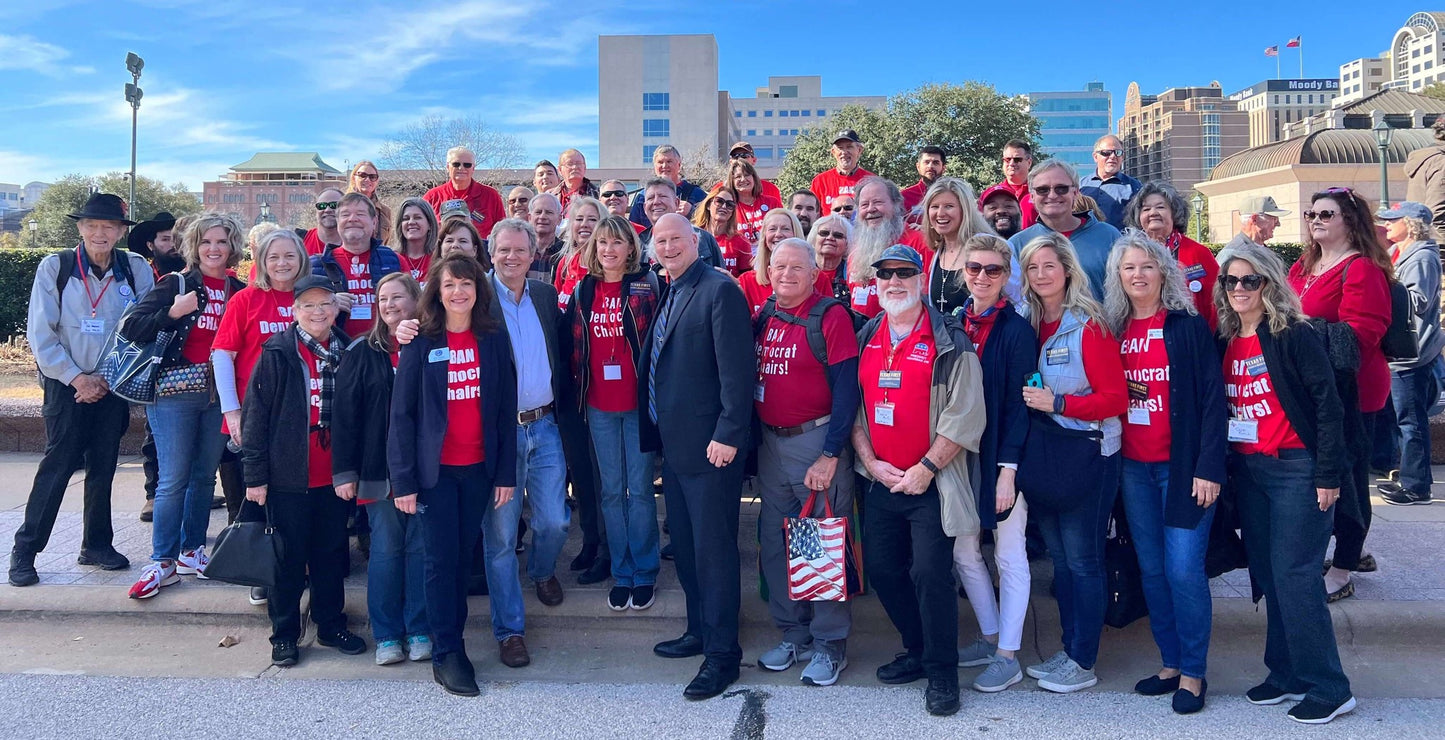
1070,677
193,563
1048,666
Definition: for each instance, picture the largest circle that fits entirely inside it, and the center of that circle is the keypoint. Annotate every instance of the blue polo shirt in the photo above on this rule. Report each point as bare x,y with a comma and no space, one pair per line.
1112,195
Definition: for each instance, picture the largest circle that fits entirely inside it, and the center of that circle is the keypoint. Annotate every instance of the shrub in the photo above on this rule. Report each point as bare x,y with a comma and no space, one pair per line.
17,275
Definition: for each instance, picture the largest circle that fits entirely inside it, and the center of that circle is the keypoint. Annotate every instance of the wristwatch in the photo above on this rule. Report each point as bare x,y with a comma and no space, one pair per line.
925,462
830,455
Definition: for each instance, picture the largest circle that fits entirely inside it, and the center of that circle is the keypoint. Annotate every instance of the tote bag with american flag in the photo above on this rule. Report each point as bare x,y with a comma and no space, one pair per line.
816,554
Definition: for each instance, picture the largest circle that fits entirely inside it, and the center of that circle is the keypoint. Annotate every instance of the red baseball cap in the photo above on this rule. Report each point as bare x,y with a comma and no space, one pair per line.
993,190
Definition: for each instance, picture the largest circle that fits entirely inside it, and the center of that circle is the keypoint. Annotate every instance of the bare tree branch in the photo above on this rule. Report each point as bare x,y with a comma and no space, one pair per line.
418,152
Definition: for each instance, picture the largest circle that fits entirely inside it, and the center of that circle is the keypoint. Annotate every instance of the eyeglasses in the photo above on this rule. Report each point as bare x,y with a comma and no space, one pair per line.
741,155
1250,283
368,175
463,165
1013,160
327,205
515,201
614,193
1323,215
1110,152
314,307
888,273
1043,190
842,208
974,268
825,234
724,203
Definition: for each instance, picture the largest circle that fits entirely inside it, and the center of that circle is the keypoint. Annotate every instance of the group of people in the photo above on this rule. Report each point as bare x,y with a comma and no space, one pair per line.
941,368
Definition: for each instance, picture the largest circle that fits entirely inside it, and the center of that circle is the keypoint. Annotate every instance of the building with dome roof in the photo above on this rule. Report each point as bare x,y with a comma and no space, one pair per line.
1414,60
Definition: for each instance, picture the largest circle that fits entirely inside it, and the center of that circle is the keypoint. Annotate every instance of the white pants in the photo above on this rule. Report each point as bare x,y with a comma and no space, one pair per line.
1013,576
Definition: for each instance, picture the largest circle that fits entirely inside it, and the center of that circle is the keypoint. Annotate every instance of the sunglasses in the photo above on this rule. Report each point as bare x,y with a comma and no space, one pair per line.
825,234
842,208
327,205
1110,152
1251,283
614,193
463,165
1043,190
1324,215
518,200
888,273
974,268
725,203
1013,160
368,176
742,155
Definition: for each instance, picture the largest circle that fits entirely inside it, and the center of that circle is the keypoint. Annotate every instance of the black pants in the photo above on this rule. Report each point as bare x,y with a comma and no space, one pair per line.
703,511
233,485
312,526
451,528
909,561
1350,532
151,464
75,434
582,471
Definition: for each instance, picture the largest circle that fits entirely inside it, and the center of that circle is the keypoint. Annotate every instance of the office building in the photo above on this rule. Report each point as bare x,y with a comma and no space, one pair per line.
278,185
1070,122
1361,78
1414,60
1274,104
1179,135
1397,108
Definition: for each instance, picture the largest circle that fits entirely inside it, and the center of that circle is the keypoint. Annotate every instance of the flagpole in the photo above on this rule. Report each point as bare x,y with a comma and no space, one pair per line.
1276,64
1301,48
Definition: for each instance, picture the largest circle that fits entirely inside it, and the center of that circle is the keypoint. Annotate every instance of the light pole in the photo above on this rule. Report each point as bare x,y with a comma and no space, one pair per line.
1198,202
265,216
1383,132
34,227
133,94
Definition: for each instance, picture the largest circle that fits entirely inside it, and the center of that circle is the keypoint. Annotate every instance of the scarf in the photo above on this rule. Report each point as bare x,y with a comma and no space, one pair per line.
329,355
978,325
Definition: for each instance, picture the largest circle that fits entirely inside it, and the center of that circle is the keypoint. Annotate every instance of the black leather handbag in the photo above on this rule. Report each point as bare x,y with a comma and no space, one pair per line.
1058,463
247,553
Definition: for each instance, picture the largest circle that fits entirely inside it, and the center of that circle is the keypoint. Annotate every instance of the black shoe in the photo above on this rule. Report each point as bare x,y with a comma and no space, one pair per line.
619,598
1344,592
218,502
904,669
148,510
22,569
259,596
521,532
1313,712
584,559
1367,564
104,560
1185,702
455,673
284,654
668,552
1401,496
686,646
1268,695
643,596
600,571
344,641
712,679
941,697
1156,686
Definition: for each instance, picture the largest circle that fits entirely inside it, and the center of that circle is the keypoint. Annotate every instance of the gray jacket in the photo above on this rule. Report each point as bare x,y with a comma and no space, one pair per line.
56,333
1426,170
1419,271
1240,241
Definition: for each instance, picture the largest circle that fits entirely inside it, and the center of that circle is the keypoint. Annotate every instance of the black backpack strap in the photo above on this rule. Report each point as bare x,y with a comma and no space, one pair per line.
122,268
816,340
769,310
62,276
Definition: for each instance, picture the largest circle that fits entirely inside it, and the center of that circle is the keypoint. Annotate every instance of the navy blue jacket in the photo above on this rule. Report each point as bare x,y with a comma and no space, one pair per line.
382,260
1198,415
1010,355
419,413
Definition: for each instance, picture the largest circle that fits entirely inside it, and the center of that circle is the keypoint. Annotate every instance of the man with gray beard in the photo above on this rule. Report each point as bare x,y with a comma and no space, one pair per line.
879,226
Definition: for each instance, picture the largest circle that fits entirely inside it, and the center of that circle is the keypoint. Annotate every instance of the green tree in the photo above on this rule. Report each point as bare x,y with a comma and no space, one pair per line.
971,122
1434,90
69,194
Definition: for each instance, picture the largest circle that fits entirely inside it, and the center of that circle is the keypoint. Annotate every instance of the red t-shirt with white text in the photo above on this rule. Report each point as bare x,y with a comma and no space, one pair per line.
737,253
462,444
792,385
569,272
357,268
197,349
906,440
750,216
252,316
417,268
1250,393
1146,370
613,385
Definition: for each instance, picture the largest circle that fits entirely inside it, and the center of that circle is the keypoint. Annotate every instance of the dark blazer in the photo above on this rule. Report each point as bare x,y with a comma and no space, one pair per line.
1010,356
152,314
544,300
276,415
1198,415
705,373
419,414
1305,384
360,419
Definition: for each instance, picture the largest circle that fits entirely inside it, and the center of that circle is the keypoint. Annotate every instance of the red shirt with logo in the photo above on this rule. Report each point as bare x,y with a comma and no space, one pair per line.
197,348
769,190
1201,271
462,444
1249,391
906,440
792,385
1146,434
863,297
737,253
251,317
318,455
485,204
750,216
613,385
357,269
831,184
417,268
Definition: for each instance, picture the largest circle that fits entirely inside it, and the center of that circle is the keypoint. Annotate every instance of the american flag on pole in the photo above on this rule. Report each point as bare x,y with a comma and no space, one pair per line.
1271,51
815,559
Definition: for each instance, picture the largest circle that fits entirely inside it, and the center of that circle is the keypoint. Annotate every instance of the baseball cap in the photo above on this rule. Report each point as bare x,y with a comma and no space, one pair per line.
313,282
456,207
1407,209
740,145
1261,204
991,191
900,253
847,134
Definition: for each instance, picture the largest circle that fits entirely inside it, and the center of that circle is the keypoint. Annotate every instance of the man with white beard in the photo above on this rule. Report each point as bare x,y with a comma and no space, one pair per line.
921,418
879,225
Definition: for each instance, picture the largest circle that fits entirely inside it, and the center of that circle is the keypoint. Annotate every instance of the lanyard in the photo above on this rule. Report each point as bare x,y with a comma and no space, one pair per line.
892,350
84,266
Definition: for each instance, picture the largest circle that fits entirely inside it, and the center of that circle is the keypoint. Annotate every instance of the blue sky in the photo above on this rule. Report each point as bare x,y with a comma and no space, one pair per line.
224,80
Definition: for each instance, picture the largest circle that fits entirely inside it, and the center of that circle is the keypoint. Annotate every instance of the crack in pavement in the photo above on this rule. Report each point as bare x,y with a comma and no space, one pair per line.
752,718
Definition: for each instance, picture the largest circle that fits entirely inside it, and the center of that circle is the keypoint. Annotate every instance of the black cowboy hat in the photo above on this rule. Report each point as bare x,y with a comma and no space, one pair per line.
105,207
145,232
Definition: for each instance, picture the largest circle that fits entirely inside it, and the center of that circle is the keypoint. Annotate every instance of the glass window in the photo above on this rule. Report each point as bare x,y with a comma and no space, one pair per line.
807,113
656,101
787,91
1429,64
752,114
822,113
767,114
752,132
737,114
783,152
767,132
658,127
763,152
1416,69
647,151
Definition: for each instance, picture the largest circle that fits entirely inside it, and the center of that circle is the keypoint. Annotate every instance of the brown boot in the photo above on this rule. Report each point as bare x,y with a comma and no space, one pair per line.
514,652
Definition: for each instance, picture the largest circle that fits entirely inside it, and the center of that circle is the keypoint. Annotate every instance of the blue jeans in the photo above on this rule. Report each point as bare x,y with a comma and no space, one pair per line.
395,596
542,474
1171,562
451,515
187,430
1285,535
1412,393
1076,545
629,507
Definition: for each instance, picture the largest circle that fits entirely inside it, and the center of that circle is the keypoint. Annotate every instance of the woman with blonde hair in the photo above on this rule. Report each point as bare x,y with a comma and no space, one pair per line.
364,179
583,215
949,219
779,224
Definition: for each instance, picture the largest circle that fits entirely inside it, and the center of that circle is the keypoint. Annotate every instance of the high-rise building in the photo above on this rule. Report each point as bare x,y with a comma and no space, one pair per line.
1070,122
1179,135
1361,78
1414,60
1274,104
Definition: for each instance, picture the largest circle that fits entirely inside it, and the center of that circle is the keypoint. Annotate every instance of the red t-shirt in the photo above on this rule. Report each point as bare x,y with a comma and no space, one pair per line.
737,253
832,183
769,190
197,348
1357,293
1146,371
462,444
613,385
824,284
418,268
750,217
313,244
906,440
252,316
569,272
485,204
755,294
913,197
357,268
318,456
792,385
1250,394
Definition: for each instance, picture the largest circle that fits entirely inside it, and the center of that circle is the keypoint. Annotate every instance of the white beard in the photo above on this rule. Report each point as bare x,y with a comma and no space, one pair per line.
894,306
868,244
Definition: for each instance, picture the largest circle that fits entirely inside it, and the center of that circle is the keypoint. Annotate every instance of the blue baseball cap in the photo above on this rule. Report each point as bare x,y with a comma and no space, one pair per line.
900,253
1407,209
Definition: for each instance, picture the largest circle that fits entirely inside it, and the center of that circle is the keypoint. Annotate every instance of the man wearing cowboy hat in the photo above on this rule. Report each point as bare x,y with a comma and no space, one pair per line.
76,301
156,241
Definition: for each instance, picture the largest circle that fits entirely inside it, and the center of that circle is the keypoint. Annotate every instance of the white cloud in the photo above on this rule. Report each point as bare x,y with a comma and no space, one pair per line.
27,52
521,111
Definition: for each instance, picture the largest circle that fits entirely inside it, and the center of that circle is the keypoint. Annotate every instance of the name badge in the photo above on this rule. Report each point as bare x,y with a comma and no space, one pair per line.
1255,366
1138,391
759,391
1156,334
883,414
1243,430
1057,356
612,371
1139,416
890,378
92,326
641,287
440,354
1194,272
361,311
860,296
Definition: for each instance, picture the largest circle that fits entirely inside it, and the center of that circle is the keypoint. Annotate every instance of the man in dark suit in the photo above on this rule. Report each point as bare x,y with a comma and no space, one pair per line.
696,386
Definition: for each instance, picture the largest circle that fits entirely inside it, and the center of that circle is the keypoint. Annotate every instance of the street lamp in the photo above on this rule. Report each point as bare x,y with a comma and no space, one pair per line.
34,227
265,216
134,64
1198,202
1383,132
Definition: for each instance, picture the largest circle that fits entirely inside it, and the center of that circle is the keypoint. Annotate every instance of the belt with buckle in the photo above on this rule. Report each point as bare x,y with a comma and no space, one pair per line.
527,417
801,428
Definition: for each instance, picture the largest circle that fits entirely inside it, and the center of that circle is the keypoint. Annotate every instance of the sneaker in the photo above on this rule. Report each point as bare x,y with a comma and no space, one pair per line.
418,648
1401,496
1266,695
782,657
284,654
643,596
22,569
979,653
619,598
1315,712
822,670
1048,666
904,669
258,596
1070,677
344,641
1000,674
389,652
193,563
152,578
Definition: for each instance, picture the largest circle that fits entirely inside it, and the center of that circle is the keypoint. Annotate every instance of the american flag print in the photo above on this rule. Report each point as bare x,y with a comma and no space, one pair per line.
815,559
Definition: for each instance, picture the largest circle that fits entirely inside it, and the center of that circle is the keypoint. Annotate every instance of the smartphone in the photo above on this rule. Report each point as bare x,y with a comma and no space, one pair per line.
1035,381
